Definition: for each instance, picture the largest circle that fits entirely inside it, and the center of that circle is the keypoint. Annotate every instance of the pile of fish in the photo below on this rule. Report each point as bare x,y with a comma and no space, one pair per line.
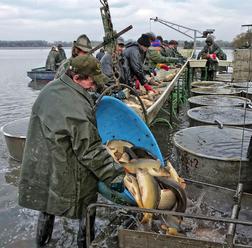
151,185
158,82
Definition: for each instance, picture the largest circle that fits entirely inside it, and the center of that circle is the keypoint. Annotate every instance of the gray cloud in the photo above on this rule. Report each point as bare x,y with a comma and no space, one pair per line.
65,20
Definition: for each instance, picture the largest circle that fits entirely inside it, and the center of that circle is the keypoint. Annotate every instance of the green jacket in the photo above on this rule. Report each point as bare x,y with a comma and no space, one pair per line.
62,68
154,57
63,157
52,60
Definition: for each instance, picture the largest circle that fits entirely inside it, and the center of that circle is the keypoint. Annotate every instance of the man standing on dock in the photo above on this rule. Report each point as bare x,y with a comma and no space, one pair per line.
64,158
212,52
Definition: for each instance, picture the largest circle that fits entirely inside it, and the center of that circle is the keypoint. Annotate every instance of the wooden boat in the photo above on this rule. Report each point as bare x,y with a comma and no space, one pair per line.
40,74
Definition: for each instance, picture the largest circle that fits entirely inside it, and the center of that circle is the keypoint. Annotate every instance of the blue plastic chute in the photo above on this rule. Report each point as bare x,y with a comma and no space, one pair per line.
116,121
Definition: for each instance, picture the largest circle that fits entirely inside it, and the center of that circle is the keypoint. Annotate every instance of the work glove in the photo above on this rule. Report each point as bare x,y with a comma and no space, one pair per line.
117,183
164,67
120,95
148,88
137,85
212,56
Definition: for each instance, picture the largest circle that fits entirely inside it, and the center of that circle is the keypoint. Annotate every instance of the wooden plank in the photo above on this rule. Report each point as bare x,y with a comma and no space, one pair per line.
139,239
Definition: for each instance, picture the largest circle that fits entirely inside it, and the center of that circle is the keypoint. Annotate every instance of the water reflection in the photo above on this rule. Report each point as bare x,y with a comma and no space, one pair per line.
13,172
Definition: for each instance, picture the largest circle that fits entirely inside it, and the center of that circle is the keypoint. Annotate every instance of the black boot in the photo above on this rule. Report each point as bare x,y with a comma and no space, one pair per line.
81,238
44,228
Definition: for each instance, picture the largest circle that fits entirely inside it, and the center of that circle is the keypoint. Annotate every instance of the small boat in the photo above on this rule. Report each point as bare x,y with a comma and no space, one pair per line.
40,74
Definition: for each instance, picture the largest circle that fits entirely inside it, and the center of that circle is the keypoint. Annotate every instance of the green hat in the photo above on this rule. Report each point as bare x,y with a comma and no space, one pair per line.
90,66
83,43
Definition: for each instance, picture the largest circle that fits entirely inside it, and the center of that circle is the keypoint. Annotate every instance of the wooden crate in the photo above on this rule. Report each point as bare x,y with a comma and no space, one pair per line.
242,54
197,63
225,63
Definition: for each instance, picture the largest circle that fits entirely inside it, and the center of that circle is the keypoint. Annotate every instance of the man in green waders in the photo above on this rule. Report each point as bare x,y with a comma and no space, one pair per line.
64,158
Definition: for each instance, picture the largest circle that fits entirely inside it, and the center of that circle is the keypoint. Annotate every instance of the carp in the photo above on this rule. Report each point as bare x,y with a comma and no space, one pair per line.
167,199
141,163
177,190
131,184
174,175
149,191
116,148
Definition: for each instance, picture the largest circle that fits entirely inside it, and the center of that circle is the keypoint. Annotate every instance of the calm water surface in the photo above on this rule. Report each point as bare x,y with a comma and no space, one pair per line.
17,227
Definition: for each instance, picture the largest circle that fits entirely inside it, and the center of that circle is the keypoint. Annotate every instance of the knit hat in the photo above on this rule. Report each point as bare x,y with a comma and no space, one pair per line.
90,66
151,36
144,40
172,42
209,39
156,43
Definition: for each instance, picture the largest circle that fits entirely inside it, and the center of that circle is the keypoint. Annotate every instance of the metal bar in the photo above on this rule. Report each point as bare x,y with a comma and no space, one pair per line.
115,37
235,212
158,19
171,106
166,212
178,100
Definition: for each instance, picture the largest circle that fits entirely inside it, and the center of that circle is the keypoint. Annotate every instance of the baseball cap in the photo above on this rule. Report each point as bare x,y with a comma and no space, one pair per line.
90,66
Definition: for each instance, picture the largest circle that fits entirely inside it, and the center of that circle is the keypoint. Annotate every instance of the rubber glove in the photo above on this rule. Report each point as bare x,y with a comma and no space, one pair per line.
149,88
120,95
137,85
117,182
164,67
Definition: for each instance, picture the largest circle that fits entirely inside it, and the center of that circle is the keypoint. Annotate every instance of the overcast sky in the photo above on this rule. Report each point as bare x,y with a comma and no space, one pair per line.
65,20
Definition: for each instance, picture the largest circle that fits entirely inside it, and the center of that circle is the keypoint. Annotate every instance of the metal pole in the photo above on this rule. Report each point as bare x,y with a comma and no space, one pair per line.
194,43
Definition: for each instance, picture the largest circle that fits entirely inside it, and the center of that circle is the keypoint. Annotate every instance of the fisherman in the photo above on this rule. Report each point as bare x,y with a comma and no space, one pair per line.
121,69
154,57
135,53
169,48
82,46
52,59
62,54
212,52
100,54
162,48
177,53
63,157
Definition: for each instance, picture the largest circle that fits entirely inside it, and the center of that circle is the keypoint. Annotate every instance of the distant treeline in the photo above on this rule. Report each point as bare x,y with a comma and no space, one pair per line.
43,43
37,43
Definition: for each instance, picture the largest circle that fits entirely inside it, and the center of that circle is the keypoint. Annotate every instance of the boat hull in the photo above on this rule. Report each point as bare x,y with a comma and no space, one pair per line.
40,74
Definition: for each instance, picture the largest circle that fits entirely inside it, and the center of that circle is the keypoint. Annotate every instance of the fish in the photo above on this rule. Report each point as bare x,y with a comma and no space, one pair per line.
125,158
177,190
174,175
130,182
167,199
116,148
118,145
141,163
149,191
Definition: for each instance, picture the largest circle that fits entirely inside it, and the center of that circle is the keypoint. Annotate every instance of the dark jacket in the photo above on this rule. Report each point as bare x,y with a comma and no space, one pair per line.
135,57
214,48
63,157
52,60
122,68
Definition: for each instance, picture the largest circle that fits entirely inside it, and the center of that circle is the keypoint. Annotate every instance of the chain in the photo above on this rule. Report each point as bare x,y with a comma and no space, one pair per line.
110,38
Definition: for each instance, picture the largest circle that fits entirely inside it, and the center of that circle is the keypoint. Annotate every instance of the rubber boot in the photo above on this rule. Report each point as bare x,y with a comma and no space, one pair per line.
44,228
81,238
